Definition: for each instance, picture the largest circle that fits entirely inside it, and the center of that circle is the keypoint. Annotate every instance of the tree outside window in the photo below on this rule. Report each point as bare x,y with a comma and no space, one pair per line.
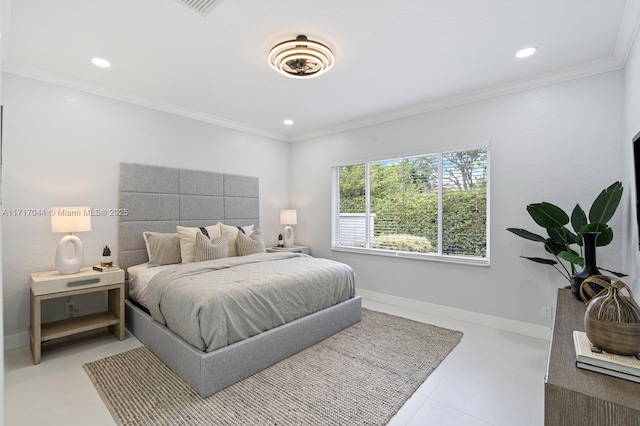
433,204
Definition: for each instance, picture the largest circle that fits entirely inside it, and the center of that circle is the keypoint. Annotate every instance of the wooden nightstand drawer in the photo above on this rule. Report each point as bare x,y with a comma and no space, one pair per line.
295,249
55,282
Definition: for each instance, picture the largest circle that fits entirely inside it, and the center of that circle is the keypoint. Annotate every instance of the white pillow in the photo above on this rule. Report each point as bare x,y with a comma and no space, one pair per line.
188,240
250,244
232,232
210,249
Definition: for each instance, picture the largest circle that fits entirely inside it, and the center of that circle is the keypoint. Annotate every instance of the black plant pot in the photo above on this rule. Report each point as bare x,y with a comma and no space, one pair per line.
589,268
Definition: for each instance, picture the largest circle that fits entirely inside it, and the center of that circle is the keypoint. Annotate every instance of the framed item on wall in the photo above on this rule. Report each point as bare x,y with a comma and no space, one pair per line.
636,160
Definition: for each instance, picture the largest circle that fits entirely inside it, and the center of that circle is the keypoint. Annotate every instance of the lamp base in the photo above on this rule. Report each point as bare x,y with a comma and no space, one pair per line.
69,265
288,236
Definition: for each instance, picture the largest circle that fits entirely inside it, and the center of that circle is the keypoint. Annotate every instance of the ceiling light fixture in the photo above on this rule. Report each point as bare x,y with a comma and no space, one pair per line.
527,51
288,122
301,58
99,62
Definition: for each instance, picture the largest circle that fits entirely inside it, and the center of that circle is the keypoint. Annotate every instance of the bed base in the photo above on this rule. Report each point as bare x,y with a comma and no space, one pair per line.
208,373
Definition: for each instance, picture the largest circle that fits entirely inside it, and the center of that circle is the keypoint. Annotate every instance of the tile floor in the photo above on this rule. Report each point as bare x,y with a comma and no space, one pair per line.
491,378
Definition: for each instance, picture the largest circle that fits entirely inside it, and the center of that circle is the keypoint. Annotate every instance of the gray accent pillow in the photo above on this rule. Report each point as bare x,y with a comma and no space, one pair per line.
163,249
207,249
250,244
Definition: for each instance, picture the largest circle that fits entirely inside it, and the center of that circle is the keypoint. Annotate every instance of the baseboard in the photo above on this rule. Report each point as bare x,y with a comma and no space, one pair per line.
18,340
14,341
527,329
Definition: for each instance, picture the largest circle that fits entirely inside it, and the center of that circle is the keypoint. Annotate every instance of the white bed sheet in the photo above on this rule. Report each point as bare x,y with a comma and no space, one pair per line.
139,277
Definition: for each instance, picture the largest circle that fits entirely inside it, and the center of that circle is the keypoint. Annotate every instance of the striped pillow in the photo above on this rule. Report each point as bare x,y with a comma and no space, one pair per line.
250,244
207,249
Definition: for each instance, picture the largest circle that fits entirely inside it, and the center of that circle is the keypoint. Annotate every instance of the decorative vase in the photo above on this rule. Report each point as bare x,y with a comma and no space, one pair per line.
589,269
106,261
612,320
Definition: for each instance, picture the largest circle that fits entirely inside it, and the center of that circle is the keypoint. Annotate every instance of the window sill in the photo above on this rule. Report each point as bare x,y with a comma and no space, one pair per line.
473,261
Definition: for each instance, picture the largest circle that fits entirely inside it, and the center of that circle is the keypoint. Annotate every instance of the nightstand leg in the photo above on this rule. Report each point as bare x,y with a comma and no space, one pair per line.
116,306
35,328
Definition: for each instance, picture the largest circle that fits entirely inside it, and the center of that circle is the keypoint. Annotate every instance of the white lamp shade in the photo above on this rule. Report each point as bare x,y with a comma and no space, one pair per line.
70,219
288,217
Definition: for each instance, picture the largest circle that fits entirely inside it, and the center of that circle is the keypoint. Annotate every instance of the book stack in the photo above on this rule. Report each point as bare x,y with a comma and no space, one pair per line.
100,268
591,358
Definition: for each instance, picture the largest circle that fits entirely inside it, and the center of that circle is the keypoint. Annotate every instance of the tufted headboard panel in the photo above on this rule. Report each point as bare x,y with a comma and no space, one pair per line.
160,198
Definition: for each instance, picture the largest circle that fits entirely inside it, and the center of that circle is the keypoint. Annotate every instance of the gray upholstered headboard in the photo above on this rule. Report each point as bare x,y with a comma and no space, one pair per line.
159,198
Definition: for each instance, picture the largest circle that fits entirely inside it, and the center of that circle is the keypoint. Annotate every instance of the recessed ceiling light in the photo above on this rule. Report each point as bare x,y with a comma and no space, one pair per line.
527,51
99,62
288,122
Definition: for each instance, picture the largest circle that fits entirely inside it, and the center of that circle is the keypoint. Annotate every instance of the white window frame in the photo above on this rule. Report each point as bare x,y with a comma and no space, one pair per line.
438,257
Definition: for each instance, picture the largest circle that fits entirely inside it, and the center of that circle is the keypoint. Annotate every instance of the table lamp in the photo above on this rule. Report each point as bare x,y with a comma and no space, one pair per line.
70,219
288,218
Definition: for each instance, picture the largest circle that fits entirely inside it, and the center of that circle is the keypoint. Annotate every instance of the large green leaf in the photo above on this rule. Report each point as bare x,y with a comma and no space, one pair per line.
606,233
554,247
527,235
571,257
540,260
562,235
617,274
578,218
606,203
548,215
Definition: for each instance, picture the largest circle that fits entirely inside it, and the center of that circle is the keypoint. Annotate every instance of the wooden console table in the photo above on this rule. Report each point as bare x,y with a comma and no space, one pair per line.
575,396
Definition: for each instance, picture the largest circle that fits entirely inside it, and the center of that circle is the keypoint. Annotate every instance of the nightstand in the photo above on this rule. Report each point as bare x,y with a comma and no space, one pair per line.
53,285
295,249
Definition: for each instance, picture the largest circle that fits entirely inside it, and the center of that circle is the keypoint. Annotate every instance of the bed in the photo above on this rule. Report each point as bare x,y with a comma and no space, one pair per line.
158,199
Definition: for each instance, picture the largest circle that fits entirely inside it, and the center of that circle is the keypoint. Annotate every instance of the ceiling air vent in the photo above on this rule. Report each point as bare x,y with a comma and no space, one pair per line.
203,7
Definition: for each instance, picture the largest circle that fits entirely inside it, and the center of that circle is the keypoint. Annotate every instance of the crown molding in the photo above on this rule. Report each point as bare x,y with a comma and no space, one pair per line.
595,67
83,86
629,25
566,74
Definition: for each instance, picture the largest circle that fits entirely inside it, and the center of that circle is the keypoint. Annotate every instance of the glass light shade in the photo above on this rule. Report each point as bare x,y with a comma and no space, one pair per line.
70,219
288,217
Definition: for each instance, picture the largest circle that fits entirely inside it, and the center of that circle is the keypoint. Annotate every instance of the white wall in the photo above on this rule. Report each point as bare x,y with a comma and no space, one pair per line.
2,11
559,143
63,147
631,128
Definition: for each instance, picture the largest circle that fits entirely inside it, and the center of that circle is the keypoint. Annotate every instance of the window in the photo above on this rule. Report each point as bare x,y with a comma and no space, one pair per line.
429,206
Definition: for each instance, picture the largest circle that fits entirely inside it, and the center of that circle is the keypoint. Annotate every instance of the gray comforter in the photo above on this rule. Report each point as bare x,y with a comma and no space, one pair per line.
219,302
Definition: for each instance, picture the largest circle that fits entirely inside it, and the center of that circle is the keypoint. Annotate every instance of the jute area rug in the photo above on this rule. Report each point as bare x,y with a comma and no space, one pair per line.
360,376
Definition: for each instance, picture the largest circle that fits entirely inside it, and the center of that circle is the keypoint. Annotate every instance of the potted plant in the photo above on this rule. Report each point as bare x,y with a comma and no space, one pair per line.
280,241
560,241
106,257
